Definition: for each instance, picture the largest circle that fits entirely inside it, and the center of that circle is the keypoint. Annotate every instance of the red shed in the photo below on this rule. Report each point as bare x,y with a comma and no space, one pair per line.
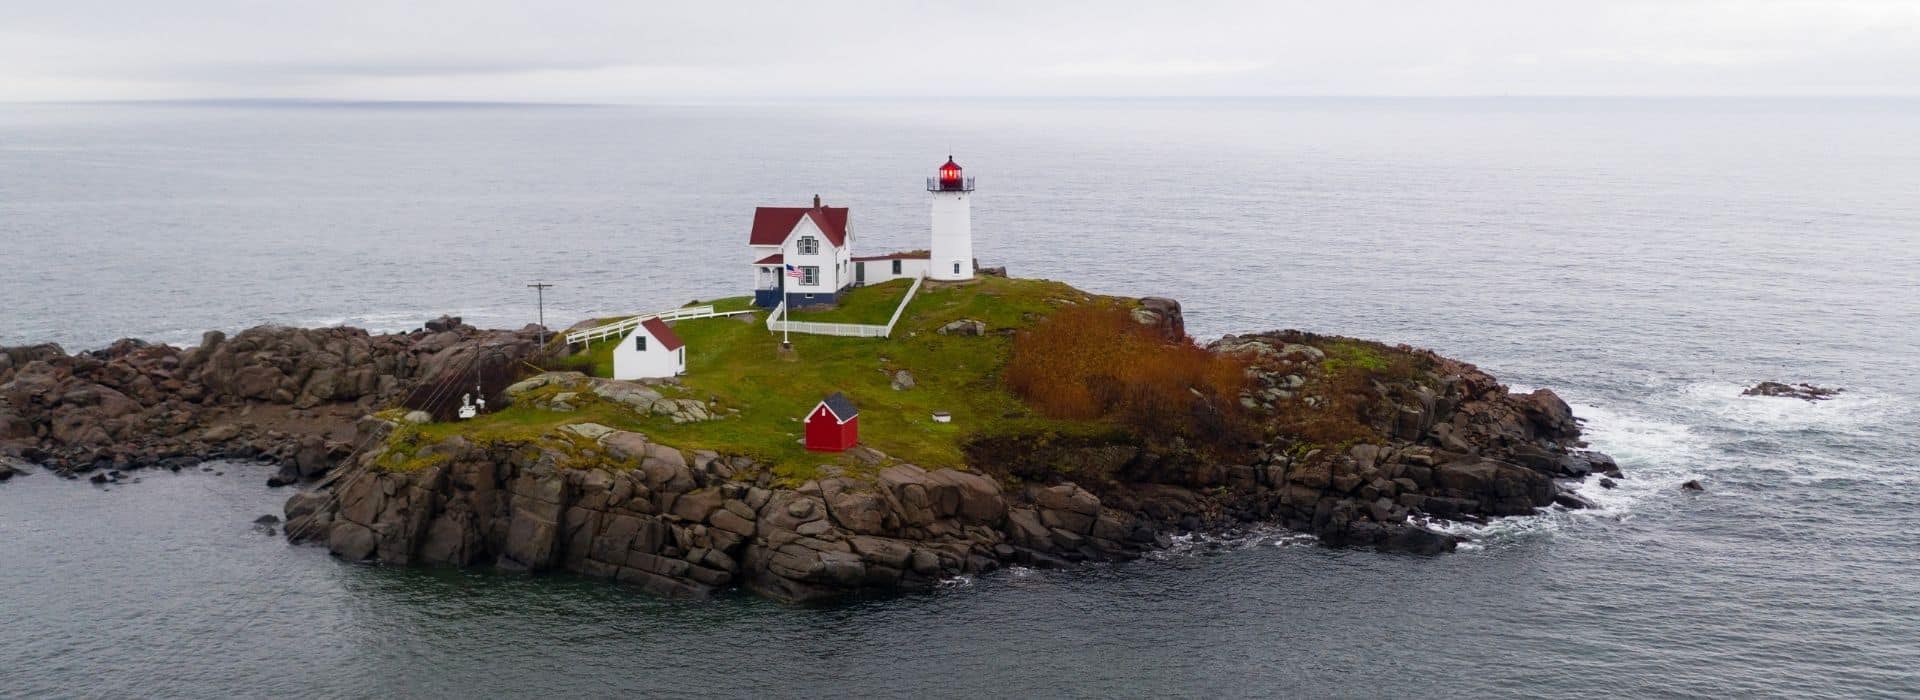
834,424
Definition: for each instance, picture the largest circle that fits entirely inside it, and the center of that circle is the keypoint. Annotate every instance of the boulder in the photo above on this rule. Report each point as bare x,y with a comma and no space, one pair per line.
220,433
544,379
562,402
443,324
965,326
696,506
1549,414
590,431
1067,497
666,470
1806,392
902,380
1498,488
312,458
1163,315
623,445
1301,352
731,521
258,382
639,398
350,541
854,508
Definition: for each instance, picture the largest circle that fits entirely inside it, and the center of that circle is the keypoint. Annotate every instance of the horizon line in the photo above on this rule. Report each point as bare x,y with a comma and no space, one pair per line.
349,102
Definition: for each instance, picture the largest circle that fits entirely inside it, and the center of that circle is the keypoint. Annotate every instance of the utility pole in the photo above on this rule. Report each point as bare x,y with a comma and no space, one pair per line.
540,291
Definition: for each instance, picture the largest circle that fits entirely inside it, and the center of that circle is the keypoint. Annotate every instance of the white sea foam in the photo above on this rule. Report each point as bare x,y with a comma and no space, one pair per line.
1194,543
1853,412
374,322
1639,441
1656,456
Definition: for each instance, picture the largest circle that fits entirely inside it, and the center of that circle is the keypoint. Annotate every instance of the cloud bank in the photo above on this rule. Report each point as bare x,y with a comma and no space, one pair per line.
628,52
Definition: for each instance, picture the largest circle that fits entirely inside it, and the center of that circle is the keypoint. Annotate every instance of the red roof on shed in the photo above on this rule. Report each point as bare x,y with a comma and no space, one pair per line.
772,224
659,330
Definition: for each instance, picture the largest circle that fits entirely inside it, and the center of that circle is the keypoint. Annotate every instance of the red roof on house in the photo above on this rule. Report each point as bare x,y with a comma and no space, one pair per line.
772,224
911,255
659,330
774,259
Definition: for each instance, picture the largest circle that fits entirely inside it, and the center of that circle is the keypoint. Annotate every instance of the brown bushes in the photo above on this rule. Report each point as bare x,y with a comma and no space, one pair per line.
1095,362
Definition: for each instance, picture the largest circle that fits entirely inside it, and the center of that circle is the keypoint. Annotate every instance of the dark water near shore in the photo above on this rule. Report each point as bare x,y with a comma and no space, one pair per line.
1646,259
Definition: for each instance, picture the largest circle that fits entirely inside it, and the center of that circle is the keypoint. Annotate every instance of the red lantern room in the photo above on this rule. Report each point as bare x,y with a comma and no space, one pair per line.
949,179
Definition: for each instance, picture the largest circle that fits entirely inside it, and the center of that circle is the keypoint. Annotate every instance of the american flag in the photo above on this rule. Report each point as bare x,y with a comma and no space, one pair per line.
792,271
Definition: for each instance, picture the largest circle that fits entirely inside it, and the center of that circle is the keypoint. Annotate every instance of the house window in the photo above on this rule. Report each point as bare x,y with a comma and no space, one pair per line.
640,343
896,267
809,245
956,268
682,353
810,275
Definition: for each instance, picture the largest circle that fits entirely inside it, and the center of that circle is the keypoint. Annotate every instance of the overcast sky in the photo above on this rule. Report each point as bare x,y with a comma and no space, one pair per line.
639,51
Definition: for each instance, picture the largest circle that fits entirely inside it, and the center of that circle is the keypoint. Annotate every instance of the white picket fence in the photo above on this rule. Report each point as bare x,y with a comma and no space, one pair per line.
777,321
622,327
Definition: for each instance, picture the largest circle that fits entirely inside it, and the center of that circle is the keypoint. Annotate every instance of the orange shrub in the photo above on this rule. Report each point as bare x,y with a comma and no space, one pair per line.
1093,362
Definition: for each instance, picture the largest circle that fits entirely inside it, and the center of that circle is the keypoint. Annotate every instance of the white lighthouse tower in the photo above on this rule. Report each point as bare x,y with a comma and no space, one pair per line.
952,257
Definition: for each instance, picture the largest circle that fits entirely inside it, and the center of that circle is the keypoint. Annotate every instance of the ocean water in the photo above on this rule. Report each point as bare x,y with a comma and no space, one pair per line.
1645,258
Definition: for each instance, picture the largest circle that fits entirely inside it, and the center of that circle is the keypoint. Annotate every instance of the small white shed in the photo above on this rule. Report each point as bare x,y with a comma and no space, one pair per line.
651,351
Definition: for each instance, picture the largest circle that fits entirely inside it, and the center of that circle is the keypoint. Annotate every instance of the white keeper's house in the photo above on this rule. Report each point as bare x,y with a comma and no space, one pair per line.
804,255
651,351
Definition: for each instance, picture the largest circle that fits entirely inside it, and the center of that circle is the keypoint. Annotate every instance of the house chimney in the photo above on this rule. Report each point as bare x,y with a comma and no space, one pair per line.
816,201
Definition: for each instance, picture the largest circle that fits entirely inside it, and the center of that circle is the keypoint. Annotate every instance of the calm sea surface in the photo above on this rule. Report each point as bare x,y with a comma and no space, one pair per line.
1646,259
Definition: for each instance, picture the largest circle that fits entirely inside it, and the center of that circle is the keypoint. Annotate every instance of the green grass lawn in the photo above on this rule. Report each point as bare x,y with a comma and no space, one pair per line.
872,305
736,364
728,304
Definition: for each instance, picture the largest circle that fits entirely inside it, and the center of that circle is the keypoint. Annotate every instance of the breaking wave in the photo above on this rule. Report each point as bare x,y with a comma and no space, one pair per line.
375,322
1656,456
1697,430
1853,413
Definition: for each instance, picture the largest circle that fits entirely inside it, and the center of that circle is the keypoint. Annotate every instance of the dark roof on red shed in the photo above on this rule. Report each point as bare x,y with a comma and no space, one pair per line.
659,330
841,407
772,224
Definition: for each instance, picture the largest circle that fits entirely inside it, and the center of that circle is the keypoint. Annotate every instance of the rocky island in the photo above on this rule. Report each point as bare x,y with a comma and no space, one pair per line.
1082,428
